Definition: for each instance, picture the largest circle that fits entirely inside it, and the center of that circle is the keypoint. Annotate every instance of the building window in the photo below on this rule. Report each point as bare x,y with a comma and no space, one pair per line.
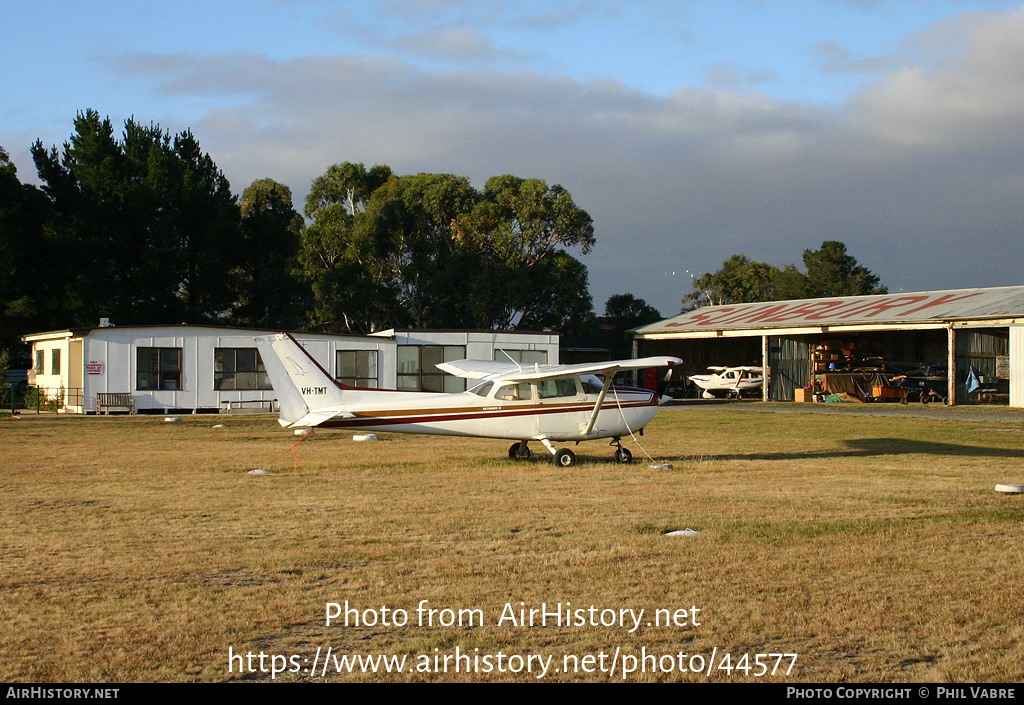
40,361
417,369
526,358
239,368
55,361
158,368
356,368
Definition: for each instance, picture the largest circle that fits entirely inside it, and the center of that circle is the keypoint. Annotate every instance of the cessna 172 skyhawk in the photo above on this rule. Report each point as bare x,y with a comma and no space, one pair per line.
547,403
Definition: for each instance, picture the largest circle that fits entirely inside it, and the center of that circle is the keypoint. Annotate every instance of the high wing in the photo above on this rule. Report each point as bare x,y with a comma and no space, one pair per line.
488,369
480,369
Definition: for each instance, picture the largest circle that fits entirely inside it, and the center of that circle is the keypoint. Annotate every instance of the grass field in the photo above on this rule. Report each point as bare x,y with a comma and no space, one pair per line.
874,548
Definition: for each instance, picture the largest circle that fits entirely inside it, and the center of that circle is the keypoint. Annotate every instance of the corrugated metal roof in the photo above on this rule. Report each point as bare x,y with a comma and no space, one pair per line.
903,308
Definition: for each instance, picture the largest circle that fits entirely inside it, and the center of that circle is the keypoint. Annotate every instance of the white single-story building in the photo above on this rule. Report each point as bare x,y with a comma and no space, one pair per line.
192,368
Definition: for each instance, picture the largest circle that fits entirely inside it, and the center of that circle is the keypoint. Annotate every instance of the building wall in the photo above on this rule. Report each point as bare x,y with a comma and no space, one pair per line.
480,345
53,383
417,371
1017,366
111,357
107,360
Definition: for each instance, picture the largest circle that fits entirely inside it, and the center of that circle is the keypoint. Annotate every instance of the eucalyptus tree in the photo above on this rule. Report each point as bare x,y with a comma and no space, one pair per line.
430,250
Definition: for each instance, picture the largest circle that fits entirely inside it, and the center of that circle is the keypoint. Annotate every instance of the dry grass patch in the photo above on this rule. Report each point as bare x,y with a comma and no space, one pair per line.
875,548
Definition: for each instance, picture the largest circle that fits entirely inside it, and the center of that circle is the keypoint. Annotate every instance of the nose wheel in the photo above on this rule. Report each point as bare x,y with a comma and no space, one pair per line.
565,458
561,457
622,455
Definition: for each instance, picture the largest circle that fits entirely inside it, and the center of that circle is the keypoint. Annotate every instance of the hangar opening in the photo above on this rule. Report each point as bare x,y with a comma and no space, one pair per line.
955,347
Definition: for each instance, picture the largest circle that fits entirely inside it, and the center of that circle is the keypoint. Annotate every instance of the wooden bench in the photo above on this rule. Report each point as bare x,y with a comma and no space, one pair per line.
249,406
114,401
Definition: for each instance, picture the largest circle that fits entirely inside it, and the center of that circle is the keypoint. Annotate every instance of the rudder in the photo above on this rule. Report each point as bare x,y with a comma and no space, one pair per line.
302,385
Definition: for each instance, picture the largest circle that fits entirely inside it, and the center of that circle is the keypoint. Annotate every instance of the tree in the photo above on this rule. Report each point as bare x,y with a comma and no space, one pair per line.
429,250
518,225
147,223
740,280
623,312
830,272
556,297
30,284
345,269
523,220
833,272
413,220
266,289
347,185
628,311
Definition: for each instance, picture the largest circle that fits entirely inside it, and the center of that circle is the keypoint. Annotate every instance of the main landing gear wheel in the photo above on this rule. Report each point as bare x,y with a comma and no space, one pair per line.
565,458
519,452
622,455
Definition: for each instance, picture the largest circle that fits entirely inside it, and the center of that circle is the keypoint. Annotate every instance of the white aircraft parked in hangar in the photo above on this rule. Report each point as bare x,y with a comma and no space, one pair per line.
547,403
731,380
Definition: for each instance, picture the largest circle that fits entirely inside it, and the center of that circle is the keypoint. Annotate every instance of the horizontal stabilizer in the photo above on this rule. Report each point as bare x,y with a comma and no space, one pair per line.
315,418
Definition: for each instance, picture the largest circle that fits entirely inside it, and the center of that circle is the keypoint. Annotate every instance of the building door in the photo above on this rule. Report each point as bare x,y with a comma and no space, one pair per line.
790,362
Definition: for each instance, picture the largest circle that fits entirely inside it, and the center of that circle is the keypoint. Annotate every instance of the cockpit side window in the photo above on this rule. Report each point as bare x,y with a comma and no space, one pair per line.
519,391
555,388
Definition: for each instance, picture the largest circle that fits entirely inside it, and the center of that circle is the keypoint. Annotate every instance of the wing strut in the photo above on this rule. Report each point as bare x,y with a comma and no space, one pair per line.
597,406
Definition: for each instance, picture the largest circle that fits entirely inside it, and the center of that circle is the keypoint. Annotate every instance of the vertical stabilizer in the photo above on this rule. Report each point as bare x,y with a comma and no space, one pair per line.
302,385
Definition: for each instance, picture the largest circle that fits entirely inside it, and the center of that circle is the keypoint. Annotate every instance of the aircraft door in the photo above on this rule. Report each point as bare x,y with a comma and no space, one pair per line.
516,397
562,406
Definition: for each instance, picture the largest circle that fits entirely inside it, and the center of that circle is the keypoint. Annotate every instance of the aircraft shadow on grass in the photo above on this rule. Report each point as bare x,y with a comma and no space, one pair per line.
873,447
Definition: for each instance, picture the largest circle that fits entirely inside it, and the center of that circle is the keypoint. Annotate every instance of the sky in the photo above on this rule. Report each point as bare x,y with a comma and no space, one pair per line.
689,130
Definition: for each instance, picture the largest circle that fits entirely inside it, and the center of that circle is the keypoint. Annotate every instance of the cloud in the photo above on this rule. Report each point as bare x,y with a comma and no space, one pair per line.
969,98
456,44
731,76
920,168
834,58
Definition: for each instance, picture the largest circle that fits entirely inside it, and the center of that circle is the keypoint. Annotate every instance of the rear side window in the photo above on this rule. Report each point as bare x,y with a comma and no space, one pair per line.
554,388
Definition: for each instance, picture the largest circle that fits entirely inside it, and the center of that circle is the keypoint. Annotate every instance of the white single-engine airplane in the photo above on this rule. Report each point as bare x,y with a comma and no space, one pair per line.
546,403
731,380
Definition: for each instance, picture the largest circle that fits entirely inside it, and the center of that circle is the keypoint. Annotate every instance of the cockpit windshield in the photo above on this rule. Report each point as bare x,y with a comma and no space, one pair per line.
482,389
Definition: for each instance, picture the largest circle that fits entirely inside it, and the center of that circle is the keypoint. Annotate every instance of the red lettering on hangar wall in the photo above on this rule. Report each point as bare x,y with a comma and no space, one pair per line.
799,311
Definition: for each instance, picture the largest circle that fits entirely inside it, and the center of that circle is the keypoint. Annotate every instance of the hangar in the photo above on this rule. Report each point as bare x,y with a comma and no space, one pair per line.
192,368
809,346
